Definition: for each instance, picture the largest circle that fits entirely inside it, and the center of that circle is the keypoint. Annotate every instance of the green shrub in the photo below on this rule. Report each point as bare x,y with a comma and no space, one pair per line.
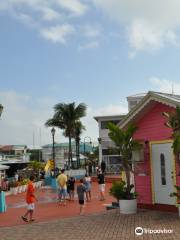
119,191
176,194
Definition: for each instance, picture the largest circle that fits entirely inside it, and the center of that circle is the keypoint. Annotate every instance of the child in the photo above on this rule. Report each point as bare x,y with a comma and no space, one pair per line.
80,192
71,183
30,199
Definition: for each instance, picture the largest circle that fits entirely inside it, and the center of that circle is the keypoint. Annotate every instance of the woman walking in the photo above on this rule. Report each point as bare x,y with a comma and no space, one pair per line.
87,184
101,181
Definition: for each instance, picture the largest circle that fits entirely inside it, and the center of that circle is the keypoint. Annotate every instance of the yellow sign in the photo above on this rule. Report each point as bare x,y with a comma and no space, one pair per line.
49,165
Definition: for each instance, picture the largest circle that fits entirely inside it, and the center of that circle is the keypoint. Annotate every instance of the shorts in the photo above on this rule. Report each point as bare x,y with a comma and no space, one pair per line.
88,188
81,202
30,206
102,187
62,192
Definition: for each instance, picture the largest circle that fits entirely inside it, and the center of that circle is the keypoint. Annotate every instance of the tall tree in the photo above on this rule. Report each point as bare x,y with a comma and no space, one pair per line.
65,117
125,144
79,127
173,122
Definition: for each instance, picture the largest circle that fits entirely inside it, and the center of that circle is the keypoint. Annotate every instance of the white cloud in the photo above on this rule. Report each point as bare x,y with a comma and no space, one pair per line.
91,31
74,6
48,9
89,45
165,85
40,13
111,109
77,7
50,14
24,115
143,35
91,124
150,24
58,34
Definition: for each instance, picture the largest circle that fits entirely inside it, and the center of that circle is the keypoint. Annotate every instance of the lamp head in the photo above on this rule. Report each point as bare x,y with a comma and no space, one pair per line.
99,140
53,130
1,109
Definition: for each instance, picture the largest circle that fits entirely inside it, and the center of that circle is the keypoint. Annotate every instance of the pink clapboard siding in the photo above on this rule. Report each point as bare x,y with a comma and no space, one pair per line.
178,174
150,128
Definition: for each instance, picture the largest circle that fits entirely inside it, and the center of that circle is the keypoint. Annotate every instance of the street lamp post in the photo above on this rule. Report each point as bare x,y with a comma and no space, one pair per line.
85,146
100,150
1,109
53,149
77,151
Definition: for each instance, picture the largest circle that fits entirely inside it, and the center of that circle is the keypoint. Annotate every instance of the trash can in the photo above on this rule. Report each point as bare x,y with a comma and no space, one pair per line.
2,202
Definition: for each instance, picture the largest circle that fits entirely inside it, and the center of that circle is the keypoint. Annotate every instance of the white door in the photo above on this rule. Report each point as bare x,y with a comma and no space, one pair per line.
162,166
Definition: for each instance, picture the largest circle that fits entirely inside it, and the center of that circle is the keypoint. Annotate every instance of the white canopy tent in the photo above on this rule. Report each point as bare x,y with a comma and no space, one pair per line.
81,157
3,167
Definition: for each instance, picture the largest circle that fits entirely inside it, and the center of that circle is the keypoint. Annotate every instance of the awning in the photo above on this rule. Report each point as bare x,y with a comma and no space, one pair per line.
4,167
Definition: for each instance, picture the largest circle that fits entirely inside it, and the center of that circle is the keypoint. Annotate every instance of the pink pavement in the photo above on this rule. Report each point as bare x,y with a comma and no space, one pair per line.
46,210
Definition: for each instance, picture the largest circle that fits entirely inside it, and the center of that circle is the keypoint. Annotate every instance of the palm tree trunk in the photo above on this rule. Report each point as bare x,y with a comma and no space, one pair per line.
70,151
78,153
128,182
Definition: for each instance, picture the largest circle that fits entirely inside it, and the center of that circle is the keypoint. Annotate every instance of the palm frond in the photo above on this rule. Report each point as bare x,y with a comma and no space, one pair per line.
54,122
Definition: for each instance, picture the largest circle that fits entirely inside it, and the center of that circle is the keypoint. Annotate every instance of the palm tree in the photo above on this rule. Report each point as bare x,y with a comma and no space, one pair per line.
174,123
125,145
65,117
79,127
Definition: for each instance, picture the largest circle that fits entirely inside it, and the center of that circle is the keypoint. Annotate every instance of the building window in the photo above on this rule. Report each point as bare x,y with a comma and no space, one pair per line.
104,123
115,160
110,151
132,104
163,169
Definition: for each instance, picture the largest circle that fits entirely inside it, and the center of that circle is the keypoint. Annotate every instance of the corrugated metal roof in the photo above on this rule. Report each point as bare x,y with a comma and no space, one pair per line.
137,95
110,117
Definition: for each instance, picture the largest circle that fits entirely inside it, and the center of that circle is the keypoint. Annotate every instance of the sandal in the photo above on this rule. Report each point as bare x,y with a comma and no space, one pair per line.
32,220
24,219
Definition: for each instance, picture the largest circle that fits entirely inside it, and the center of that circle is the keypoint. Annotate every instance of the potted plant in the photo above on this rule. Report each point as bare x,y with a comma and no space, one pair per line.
177,195
24,183
36,166
119,191
125,145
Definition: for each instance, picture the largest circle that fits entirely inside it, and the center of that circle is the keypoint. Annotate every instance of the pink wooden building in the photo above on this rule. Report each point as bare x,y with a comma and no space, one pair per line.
157,171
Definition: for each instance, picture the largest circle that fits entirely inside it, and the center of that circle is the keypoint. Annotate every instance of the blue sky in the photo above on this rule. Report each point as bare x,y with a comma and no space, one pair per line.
92,51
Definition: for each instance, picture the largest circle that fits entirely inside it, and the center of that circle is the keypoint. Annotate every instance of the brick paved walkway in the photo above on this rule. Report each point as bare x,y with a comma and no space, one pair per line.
47,208
102,226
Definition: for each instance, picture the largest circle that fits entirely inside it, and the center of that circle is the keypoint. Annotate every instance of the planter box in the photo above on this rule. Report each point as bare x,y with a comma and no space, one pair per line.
178,206
179,210
40,183
24,187
19,189
128,206
35,184
14,190
115,204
